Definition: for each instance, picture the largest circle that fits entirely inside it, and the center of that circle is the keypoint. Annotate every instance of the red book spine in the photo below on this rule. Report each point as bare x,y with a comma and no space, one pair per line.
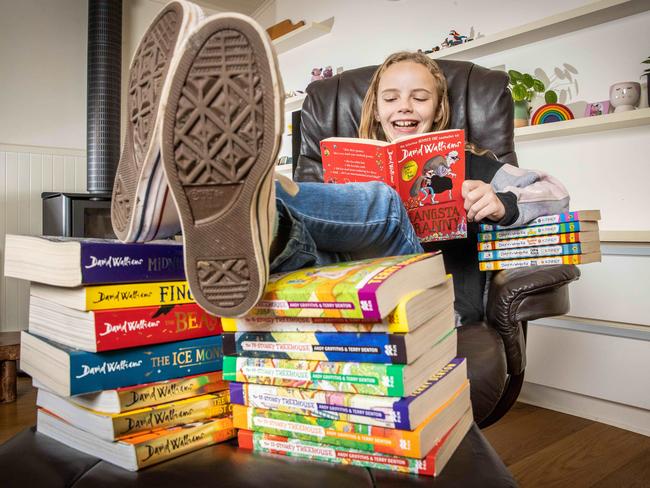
132,327
245,439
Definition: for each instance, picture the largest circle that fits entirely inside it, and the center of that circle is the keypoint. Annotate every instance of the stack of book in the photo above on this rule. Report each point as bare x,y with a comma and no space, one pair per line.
353,363
568,238
127,366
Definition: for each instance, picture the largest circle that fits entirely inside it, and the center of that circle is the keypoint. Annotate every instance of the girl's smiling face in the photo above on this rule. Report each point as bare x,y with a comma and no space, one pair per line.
407,100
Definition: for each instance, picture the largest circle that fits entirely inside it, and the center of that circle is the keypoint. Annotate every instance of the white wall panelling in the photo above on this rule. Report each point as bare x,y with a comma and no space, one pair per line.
25,172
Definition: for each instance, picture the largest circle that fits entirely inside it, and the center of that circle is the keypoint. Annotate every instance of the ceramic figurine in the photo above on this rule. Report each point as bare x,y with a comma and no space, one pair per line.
624,96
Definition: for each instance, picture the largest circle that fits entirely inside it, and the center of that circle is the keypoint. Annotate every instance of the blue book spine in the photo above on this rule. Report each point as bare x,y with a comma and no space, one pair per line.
91,372
111,262
318,346
533,231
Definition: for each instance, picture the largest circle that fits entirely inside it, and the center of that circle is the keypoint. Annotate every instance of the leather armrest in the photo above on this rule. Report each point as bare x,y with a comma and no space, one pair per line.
524,294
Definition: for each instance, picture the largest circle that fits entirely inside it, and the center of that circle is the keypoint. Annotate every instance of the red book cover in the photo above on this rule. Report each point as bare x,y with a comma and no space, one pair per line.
131,327
426,170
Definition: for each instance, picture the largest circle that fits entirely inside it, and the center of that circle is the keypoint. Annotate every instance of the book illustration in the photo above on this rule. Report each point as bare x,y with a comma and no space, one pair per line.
68,261
341,290
427,171
538,230
575,216
318,346
546,240
382,411
146,395
541,261
532,252
353,435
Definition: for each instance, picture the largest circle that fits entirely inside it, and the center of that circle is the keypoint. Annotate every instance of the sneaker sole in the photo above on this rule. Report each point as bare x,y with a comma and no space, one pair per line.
139,191
221,135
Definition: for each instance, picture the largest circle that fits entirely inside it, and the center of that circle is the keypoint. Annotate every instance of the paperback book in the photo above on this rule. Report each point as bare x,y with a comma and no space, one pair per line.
129,398
368,289
114,426
68,261
341,346
395,413
66,371
107,297
427,171
540,251
431,465
550,219
106,330
547,240
395,380
541,261
413,310
141,450
407,443
538,230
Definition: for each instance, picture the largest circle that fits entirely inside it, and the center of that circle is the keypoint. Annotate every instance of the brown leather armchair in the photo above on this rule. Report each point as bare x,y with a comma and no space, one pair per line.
481,104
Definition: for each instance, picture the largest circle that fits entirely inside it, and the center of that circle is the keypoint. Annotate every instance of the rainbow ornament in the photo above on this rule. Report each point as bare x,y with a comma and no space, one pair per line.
551,112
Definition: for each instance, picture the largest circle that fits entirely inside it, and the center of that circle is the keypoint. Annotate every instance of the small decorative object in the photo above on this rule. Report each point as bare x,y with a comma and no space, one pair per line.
597,108
551,112
523,87
328,72
282,28
316,74
454,39
624,96
646,73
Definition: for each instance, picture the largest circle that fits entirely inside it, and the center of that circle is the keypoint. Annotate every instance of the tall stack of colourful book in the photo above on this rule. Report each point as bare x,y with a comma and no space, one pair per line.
567,238
353,363
128,367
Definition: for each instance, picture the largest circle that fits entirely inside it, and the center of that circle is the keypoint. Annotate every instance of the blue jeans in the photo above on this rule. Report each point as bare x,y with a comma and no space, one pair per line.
329,223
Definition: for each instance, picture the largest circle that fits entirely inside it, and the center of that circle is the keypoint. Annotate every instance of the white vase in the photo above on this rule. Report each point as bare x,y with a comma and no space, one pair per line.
624,96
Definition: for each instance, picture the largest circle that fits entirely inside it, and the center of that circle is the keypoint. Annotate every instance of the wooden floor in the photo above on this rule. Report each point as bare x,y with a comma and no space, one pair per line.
542,448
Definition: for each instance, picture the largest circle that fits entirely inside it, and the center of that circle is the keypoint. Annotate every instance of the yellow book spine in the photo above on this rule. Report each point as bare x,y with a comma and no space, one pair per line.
130,295
173,413
179,440
228,324
520,263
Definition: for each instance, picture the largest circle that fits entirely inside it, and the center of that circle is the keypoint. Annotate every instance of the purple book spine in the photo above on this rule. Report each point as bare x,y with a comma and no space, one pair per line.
130,263
237,393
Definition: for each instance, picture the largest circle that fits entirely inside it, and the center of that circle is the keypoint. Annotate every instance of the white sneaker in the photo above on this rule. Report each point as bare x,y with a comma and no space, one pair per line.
221,134
141,209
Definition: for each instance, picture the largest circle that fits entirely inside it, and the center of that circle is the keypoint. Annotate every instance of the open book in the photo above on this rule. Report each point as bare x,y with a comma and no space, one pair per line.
427,171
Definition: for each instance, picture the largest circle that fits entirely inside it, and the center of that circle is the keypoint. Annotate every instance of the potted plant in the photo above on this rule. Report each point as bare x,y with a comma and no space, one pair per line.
523,88
646,73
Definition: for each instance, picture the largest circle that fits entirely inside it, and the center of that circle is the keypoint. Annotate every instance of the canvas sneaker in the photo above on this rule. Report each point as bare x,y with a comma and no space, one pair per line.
221,134
141,208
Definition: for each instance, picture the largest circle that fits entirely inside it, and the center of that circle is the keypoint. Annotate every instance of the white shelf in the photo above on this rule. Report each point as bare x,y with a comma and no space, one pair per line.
625,236
572,20
303,35
584,125
294,103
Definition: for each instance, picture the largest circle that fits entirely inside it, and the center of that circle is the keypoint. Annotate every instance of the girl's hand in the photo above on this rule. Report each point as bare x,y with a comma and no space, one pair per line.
481,201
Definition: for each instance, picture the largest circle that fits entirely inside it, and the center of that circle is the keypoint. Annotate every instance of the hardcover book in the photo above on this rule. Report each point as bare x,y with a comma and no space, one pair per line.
107,297
341,346
141,450
431,465
538,230
129,398
368,289
395,413
113,426
68,261
66,371
427,171
542,261
407,443
106,330
550,219
548,240
395,380
413,310
540,251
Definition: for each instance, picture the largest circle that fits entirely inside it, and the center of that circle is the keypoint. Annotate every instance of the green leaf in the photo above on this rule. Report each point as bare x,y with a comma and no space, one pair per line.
514,75
519,93
647,61
528,80
550,96
538,86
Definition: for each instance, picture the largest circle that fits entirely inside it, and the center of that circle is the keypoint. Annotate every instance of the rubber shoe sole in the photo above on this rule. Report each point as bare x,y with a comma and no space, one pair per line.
221,134
140,207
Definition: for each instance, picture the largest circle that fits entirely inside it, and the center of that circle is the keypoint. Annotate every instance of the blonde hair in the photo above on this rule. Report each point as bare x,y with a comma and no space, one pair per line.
370,127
